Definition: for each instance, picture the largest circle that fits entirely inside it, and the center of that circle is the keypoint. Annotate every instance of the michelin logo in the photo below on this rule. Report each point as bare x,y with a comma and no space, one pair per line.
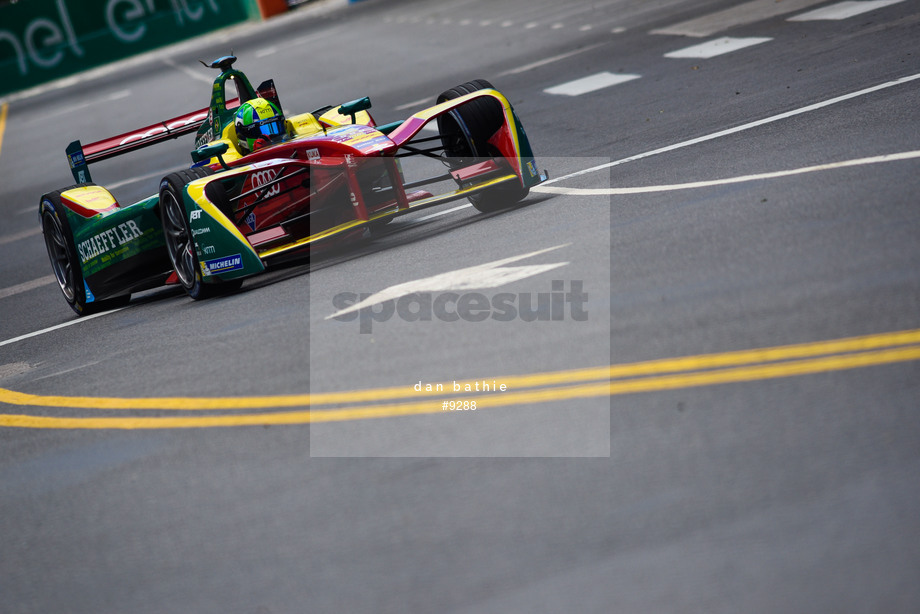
222,265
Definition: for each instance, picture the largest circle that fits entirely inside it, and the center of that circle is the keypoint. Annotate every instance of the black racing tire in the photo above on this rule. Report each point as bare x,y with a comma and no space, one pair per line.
65,263
178,236
481,118
465,134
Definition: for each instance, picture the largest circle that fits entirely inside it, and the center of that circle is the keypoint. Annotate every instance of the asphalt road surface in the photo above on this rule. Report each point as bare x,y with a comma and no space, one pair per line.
722,418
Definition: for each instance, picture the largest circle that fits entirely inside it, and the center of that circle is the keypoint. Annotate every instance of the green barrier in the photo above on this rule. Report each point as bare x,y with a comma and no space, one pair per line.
41,40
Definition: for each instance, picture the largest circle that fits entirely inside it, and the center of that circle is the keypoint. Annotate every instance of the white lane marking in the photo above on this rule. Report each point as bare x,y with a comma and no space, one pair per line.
562,15
907,155
743,14
74,107
194,74
440,213
26,286
843,10
416,103
311,38
130,180
25,234
488,275
716,47
544,62
59,326
741,128
588,84
266,51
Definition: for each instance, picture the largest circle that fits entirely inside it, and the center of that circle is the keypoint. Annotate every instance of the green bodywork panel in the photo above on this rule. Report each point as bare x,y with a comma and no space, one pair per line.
220,116
104,240
530,173
223,253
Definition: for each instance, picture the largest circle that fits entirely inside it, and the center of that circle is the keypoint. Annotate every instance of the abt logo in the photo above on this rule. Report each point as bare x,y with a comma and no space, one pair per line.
194,215
261,178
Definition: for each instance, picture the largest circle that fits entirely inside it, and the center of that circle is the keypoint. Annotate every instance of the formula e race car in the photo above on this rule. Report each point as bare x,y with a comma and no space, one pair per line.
264,187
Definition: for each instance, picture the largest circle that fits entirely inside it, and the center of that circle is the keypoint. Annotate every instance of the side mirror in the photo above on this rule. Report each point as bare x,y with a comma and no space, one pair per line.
354,107
207,152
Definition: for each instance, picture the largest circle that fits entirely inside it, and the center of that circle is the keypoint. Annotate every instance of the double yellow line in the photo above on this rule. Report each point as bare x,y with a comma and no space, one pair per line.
606,381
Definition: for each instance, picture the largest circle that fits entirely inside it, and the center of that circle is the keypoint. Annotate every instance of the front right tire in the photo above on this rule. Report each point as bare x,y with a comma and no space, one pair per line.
465,133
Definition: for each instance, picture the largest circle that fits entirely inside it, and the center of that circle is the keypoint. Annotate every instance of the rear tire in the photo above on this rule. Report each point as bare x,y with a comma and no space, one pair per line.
465,134
65,263
178,235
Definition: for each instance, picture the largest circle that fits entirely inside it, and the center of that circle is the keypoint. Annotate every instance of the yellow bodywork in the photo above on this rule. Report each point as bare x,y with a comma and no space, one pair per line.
305,124
92,197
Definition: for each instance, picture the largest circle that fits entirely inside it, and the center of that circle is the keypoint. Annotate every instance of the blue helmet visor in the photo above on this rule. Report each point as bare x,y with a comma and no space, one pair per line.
270,127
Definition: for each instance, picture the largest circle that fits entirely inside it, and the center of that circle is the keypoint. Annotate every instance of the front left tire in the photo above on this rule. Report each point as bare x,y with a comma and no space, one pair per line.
65,263
178,236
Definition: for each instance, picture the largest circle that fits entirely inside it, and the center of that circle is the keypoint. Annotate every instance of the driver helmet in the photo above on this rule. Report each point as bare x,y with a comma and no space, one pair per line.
258,123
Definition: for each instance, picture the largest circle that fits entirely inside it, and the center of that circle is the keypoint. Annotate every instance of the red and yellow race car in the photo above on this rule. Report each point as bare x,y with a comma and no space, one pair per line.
264,186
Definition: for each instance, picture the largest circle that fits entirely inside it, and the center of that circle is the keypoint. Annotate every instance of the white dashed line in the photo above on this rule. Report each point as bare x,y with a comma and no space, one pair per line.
743,14
75,107
440,213
589,84
716,47
843,10
31,232
26,286
555,58
416,103
154,175
194,74
59,326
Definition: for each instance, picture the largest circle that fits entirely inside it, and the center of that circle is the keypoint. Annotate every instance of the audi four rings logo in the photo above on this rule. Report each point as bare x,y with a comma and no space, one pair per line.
260,178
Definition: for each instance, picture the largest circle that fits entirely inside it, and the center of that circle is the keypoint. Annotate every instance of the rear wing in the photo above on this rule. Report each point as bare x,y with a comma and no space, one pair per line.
80,156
